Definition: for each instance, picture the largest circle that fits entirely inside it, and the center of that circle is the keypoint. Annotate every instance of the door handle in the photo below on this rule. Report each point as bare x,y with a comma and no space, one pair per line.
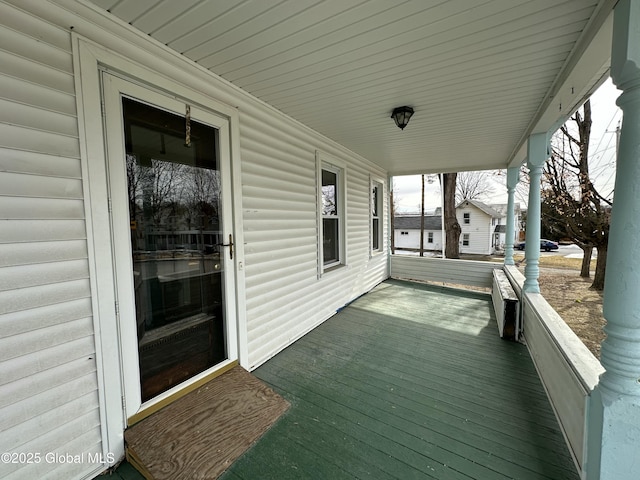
230,245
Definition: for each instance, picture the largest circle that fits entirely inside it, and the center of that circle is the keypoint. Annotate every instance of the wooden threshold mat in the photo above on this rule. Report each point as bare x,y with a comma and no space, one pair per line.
200,435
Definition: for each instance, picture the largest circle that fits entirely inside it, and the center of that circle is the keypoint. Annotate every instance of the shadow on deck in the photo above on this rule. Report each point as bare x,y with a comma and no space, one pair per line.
410,381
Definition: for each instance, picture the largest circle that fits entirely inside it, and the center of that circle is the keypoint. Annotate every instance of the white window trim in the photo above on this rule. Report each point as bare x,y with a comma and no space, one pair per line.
468,239
326,162
376,182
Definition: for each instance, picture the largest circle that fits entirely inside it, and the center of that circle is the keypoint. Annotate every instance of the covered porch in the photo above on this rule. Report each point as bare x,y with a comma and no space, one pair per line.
472,112
409,381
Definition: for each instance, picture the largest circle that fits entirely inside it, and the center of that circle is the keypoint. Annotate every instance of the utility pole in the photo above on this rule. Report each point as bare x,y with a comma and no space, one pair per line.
422,220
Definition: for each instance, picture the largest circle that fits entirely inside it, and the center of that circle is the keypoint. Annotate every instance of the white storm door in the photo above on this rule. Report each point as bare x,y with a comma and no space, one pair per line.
169,176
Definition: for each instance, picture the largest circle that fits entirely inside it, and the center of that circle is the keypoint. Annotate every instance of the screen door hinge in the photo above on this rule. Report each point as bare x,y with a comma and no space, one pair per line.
109,205
117,308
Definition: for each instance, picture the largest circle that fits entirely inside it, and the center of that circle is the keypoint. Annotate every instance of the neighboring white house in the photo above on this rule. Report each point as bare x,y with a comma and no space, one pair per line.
478,223
500,231
407,232
483,228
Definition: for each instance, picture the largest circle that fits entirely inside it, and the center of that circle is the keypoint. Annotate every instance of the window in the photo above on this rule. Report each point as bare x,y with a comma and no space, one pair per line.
376,214
404,233
331,214
465,240
430,237
330,217
466,218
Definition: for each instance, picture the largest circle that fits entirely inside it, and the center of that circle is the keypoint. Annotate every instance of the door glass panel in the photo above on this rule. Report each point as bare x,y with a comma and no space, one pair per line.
174,206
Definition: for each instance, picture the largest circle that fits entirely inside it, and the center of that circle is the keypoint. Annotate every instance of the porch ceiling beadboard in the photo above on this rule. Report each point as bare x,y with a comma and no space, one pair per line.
476,73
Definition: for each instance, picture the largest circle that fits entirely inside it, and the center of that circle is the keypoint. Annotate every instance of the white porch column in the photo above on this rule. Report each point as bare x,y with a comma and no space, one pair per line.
536,156
614,423
513,177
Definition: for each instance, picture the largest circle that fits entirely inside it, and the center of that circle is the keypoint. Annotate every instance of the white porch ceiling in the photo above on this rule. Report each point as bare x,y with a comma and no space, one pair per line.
480,74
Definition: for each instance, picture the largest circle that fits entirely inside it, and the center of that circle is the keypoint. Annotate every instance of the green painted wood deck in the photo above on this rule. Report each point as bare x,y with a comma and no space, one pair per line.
408,382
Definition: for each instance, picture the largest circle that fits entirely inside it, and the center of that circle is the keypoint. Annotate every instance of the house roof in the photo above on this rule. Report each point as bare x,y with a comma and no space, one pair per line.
412,222
498,69
483,207
502,208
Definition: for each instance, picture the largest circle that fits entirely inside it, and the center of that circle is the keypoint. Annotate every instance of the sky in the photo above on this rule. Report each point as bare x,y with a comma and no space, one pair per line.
605,118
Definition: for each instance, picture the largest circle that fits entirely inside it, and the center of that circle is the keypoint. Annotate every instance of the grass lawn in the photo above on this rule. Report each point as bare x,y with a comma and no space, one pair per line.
557,261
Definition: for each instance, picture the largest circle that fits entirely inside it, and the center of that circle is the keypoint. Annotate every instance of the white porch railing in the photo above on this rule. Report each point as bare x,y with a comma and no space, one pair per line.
444,270
568,370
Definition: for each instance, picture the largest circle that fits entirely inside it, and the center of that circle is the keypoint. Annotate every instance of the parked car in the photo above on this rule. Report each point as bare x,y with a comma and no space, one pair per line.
546,245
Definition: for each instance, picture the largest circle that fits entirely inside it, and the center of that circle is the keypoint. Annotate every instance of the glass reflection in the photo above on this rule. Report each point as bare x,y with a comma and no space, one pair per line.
174,206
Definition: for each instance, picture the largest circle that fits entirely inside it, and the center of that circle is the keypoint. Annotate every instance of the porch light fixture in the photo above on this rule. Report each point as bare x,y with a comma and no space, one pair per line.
401,116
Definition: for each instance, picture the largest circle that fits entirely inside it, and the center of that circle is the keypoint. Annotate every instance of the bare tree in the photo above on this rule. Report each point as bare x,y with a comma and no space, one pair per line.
203,195
571,201
451,226
473,186
522,187
154,187
135,180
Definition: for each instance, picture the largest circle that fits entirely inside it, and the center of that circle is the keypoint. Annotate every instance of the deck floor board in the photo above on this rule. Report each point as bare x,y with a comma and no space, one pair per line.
409,381
449,417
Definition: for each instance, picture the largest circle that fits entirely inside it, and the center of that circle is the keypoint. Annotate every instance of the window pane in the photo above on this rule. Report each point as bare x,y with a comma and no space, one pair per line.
376,242
374,202
329,193
330,243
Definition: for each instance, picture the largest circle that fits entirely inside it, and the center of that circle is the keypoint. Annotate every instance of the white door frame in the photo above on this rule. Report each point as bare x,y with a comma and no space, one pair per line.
114,89
90,59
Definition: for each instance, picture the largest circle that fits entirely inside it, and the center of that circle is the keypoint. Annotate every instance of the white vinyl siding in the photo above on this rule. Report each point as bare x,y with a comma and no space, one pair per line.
48,381
284,297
